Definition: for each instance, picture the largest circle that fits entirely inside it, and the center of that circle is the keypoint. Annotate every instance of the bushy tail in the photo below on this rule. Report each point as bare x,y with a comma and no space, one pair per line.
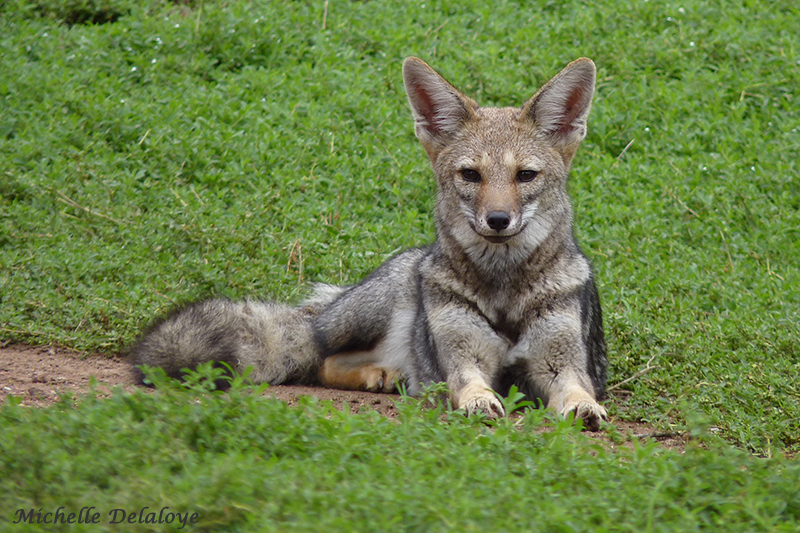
275,339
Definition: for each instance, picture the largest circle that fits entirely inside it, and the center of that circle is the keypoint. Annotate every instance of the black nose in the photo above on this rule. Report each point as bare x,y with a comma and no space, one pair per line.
498,220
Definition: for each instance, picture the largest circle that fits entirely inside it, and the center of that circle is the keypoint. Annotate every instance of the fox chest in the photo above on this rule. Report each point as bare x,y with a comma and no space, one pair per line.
508,316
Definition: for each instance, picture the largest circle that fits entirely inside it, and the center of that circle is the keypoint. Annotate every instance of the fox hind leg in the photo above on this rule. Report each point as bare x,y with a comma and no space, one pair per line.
359,371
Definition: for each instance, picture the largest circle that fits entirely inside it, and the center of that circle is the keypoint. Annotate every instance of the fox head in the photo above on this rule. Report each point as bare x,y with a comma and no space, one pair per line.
501,172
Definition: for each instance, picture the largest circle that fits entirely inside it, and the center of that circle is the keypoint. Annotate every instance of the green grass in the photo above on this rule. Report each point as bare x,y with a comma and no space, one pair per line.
243,463
156,152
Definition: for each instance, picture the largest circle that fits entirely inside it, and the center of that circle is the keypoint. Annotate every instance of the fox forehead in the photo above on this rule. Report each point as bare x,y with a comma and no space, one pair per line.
501,137
502,156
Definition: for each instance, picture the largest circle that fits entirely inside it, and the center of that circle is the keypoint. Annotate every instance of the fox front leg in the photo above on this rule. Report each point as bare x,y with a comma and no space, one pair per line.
570,395
474,395
555,362
468,352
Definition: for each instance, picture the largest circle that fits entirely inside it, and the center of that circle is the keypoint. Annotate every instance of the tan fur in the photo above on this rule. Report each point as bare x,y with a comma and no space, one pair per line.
358,371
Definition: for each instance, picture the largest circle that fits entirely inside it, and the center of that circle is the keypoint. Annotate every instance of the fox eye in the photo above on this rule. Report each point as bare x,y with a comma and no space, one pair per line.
525,176
471,175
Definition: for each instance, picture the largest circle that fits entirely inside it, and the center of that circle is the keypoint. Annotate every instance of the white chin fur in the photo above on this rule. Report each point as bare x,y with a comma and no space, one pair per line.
494,256
490,256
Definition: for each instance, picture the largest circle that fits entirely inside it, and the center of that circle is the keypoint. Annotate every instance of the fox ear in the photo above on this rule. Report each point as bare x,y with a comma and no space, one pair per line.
560,108
439,108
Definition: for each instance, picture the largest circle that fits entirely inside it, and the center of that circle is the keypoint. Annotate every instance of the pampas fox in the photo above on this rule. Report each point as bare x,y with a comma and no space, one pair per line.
502,297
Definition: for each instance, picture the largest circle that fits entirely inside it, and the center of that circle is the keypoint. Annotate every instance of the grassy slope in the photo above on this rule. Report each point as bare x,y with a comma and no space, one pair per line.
243,149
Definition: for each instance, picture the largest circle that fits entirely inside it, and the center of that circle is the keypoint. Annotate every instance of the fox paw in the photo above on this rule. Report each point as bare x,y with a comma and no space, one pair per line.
481,400
591,412
380,379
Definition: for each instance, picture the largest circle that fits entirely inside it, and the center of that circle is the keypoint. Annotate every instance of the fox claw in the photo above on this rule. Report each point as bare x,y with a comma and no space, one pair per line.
591,412
486,404
383,380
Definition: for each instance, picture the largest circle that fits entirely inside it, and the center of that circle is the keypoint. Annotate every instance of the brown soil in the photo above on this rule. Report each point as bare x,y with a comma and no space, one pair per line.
38,375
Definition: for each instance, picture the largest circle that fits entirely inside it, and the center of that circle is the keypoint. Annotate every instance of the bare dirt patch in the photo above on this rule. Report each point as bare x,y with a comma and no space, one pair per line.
37,375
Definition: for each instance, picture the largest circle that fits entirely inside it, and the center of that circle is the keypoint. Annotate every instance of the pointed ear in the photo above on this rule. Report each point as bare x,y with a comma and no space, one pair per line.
560,108
439,109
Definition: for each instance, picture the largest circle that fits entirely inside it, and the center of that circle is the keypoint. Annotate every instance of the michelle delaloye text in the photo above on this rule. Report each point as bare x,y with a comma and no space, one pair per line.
90,515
